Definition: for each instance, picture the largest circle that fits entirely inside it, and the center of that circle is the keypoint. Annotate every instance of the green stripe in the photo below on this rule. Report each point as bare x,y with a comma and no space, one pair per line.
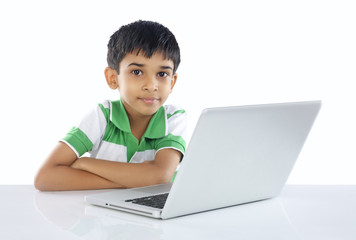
106,112
157,126
77,139
119,116
114,135
170,115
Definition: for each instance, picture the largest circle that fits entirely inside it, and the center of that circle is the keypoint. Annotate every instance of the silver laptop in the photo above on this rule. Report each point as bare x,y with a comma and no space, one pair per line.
236,155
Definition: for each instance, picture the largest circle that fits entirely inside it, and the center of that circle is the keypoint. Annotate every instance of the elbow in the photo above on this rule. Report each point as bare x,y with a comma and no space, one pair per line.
40,182
163,177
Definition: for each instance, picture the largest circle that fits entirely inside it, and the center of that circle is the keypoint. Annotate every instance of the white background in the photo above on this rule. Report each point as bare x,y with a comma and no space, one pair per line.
53,53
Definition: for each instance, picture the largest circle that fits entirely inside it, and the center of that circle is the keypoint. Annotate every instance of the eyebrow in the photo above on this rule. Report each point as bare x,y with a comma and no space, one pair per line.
166,67
136,64
142,65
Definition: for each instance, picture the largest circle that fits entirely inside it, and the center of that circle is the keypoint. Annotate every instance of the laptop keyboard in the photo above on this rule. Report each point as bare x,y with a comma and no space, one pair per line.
155,201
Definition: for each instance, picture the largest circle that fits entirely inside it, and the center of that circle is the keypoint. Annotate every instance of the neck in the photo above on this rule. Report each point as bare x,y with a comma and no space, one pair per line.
138,123
138,126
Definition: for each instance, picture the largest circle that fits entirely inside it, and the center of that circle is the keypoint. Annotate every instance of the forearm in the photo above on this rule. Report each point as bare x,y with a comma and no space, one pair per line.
126,174
60,178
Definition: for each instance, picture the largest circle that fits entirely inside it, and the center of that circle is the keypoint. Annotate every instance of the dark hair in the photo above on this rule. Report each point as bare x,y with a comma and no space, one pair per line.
146,36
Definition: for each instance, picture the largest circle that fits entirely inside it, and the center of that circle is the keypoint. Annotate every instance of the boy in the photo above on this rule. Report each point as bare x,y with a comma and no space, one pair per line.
135,141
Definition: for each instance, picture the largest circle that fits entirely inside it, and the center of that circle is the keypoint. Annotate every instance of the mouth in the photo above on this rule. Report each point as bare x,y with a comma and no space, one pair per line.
148,100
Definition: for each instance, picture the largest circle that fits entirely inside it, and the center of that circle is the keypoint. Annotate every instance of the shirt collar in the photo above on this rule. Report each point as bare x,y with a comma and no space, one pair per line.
157,128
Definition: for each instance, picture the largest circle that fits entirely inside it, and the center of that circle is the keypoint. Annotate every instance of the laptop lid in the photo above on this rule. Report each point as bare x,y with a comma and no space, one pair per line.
238,155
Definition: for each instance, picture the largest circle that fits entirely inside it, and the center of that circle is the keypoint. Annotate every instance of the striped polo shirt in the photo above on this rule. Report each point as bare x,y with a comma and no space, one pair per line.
106,134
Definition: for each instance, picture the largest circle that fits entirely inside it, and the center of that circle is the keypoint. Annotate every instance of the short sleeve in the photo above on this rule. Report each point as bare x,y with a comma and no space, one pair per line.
177,130
87,135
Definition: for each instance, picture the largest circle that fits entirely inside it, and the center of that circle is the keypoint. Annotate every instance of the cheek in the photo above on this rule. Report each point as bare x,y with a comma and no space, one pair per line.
165,88
128,91
167,85
127,86
164,93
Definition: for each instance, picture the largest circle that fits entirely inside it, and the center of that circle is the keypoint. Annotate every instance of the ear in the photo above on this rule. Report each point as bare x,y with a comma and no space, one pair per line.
173,81
111,78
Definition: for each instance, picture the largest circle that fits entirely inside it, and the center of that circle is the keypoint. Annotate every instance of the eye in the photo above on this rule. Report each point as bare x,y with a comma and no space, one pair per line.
162,74
137,72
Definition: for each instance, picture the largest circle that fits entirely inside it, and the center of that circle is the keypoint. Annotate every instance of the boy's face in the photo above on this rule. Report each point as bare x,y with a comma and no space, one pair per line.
144,83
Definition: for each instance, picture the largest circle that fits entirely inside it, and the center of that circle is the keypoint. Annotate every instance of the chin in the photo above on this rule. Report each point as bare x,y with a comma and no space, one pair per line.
150,112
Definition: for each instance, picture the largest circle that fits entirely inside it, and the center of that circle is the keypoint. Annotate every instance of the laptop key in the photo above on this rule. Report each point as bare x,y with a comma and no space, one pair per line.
156,201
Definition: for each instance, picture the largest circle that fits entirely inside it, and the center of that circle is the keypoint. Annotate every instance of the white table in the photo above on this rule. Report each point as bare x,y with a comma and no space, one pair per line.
300,212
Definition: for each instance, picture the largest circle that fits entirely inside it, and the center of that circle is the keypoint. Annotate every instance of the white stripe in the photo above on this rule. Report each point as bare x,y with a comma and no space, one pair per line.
106,104
111,152
94,126
177,125
166,122
170,109
110,107
140,157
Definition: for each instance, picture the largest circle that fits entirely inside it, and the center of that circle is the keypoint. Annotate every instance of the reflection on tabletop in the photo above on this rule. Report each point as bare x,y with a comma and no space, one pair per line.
260,220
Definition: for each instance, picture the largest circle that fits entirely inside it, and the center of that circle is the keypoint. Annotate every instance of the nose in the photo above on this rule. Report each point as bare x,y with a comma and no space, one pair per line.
150,84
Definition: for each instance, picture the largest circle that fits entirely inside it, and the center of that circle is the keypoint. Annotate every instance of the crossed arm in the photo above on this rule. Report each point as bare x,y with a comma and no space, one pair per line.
64,171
